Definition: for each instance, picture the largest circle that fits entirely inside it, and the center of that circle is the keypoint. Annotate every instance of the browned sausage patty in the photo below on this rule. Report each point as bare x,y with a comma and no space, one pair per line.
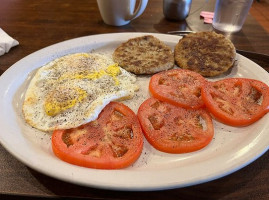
144,55
208,53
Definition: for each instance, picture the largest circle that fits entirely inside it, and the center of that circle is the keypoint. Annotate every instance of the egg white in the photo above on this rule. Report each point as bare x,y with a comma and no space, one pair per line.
82,84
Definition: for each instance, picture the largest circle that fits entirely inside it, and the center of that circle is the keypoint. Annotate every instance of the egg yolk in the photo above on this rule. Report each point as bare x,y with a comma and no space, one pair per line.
112,70
59,101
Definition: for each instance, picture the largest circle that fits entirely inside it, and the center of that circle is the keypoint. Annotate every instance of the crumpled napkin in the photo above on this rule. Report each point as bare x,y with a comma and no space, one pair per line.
6,42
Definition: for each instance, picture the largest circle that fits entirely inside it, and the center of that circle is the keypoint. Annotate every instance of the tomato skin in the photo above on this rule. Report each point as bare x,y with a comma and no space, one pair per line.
179,87
91,145
234,101
174,129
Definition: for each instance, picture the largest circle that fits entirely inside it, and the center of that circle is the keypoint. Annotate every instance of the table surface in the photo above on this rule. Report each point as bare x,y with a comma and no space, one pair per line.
38,24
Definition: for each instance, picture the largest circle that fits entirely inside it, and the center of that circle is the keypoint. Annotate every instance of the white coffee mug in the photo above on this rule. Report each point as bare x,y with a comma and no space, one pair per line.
120,12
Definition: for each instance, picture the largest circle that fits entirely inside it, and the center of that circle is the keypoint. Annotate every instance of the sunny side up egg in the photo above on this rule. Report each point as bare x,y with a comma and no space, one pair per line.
73,90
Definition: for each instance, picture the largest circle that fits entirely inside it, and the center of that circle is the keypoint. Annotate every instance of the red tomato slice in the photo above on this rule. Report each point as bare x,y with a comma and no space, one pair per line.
114,140
237,101
174,129
179,87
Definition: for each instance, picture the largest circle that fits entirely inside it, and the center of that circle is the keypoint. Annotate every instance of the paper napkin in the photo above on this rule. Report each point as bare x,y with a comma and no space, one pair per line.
6,42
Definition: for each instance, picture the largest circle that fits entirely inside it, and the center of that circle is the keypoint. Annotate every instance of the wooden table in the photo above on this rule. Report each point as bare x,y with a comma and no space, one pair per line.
37,24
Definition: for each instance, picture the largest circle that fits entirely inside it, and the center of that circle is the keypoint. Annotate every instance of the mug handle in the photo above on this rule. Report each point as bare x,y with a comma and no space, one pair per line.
140,9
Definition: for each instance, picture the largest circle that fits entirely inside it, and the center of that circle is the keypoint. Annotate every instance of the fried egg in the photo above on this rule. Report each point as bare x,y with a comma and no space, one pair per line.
72,90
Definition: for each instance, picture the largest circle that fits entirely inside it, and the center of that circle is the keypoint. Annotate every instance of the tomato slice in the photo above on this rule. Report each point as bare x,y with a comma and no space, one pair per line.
179,87
174,129
237,101
114,140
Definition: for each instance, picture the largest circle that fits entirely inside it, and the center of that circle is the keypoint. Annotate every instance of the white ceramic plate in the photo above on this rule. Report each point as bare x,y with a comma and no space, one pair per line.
231,149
